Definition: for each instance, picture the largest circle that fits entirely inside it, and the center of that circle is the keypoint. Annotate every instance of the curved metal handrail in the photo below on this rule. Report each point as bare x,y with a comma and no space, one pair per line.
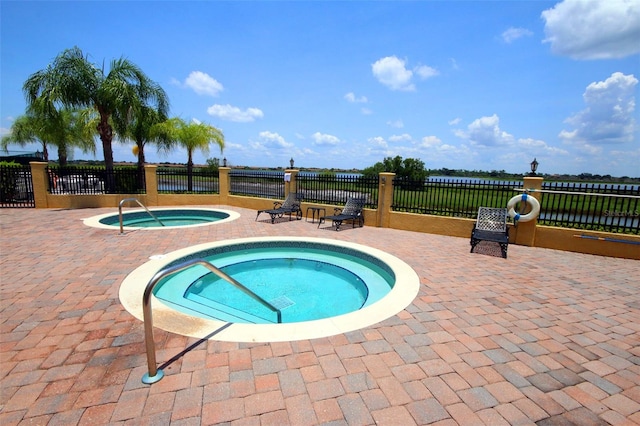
154,374
141,205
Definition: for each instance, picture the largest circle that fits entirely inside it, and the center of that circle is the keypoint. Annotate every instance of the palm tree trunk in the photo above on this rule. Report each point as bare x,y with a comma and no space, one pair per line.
106,136
141,161
190,173
62,155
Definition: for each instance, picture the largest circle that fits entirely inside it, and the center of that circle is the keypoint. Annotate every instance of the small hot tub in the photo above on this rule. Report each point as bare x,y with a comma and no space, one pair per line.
165,218
322,287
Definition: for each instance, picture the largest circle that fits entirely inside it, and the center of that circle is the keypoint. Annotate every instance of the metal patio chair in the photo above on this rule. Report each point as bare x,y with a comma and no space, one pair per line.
352,211
290,206
491,226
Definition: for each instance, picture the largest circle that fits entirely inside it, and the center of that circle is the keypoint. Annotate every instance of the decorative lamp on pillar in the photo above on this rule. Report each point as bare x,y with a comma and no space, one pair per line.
291,162
224,162
534,167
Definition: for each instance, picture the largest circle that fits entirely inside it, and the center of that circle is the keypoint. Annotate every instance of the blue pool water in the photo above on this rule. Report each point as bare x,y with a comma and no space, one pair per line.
173,217
306,281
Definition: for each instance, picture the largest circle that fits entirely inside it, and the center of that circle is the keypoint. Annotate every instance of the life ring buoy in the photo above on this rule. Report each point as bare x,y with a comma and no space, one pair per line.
532,201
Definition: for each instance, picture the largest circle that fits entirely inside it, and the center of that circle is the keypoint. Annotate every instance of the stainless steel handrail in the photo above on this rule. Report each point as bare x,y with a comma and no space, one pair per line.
154,375
141,205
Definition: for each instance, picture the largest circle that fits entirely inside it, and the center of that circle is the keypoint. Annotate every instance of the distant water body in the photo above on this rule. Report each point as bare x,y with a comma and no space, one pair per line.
464,179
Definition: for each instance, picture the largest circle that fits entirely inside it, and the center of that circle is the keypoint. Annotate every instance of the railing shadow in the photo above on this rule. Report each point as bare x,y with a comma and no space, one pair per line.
191,347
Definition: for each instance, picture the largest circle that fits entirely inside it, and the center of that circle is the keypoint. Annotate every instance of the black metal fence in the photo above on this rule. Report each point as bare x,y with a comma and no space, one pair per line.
337,188
95,180
16,186
257,184
594,206
451,197
180,181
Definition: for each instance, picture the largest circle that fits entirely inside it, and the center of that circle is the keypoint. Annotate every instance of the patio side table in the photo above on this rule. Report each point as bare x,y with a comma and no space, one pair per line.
315,211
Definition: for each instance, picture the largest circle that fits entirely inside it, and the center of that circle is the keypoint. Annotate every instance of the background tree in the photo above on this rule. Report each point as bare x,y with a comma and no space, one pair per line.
191,136
72,81
65,129
139,130
410,172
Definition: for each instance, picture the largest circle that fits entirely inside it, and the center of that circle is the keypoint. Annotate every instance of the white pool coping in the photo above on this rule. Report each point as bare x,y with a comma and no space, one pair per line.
401,295
94,221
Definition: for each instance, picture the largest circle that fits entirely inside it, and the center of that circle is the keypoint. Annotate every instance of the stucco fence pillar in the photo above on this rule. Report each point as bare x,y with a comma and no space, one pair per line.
224,184
385,199
40,183
525,232
151,182
291,184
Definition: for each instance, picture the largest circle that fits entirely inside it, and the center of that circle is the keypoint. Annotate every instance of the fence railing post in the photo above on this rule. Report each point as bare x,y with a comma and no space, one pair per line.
385,198
525,232
40,182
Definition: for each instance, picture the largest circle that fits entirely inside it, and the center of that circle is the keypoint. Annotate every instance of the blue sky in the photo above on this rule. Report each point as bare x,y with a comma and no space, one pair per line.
477,85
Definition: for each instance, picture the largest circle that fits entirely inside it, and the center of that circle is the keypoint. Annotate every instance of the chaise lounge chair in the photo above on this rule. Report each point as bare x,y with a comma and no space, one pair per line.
491,225
290,206
352,211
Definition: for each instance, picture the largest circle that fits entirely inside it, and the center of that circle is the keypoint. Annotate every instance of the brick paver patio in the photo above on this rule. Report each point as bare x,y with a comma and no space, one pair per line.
544,337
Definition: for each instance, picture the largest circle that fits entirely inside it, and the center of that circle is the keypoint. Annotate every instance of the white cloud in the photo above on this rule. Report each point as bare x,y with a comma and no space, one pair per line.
231,113
430,142
424,71
324,139
366,111
539,149
610,112
203,84
398,124
593,29
274,140
455,121
392,72
405,137
351,97
512,34
485,132
378,142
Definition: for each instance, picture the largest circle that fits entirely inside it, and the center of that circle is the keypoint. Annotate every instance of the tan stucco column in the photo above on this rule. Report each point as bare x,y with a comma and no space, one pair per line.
151,183
224,184
292,185
40,184
526,231
385,198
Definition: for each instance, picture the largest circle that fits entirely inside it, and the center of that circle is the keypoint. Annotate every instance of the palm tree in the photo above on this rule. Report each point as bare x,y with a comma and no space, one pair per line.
192,136
140,131
25,129
65,129
71,80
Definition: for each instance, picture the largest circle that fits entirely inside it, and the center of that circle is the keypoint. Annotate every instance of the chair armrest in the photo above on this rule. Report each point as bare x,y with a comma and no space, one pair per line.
337,210
277,204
